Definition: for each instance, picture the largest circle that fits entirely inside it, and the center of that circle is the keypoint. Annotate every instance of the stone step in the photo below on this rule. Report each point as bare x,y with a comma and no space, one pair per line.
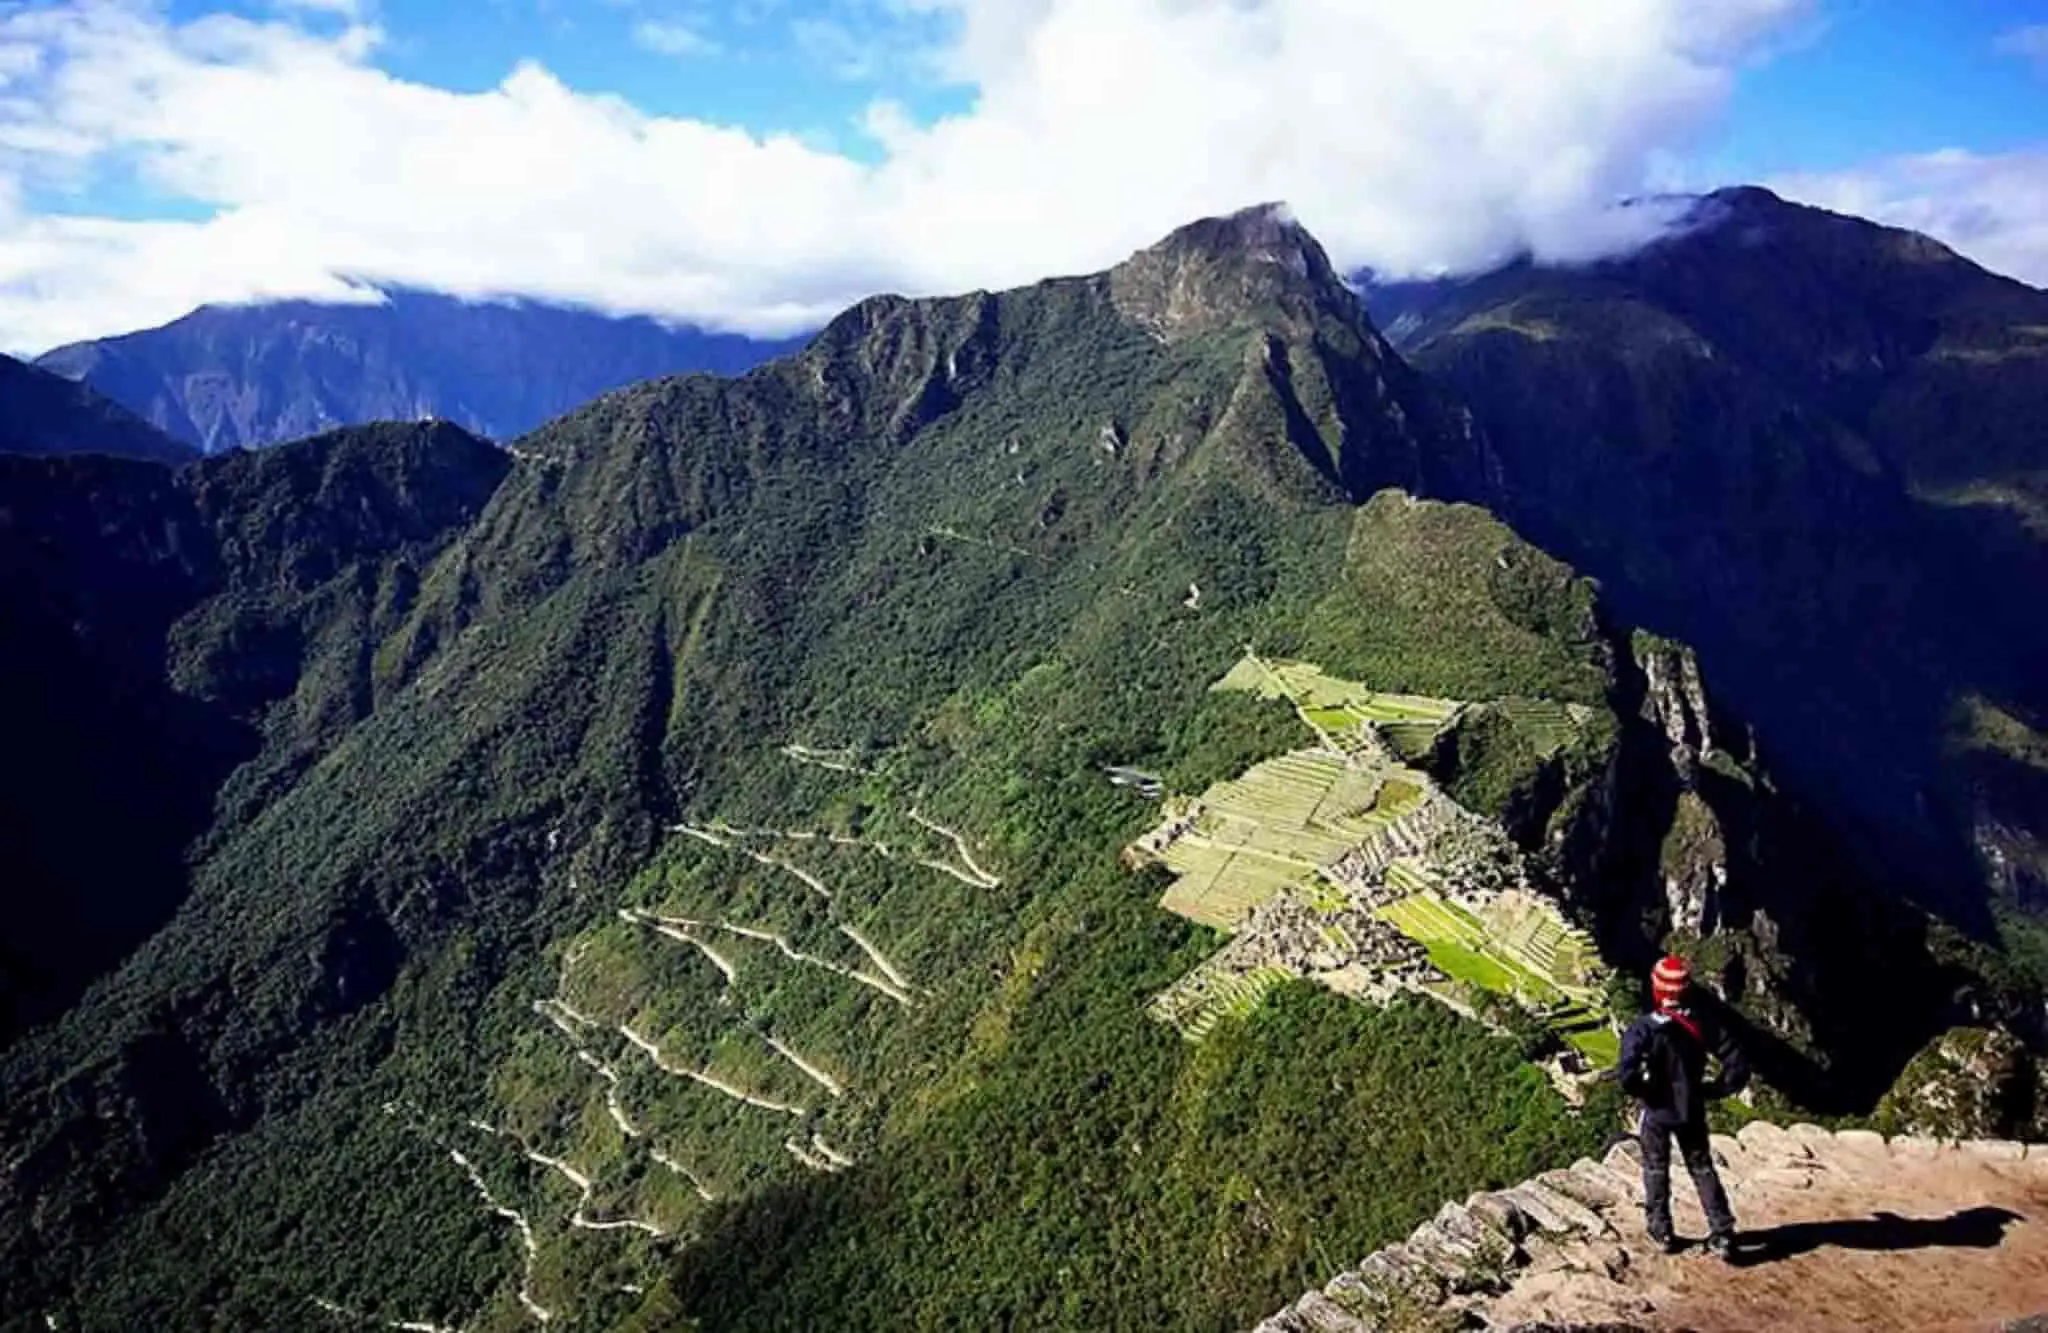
1918,1149
1817,1139
1734,1160
1995,1150
1595,1187
1489,1247
1500,1215
1862,1143
1400,1278
1320,1314
1349,1291
1464,1266
1557,1212
1771,1143
1626,1185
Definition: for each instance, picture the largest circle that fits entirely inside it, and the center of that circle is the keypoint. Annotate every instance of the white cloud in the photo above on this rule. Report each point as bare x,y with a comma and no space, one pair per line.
1410,137
669,37
346,9
1991,207
2028,43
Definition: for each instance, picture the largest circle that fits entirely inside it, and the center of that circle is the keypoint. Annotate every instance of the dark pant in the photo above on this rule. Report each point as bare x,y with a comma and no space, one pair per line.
1656,1139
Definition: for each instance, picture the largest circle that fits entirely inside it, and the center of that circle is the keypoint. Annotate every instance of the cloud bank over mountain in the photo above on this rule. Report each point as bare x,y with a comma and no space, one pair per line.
276,158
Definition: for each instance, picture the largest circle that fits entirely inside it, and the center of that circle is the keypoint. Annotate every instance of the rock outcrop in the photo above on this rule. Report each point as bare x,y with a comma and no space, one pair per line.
1841,1230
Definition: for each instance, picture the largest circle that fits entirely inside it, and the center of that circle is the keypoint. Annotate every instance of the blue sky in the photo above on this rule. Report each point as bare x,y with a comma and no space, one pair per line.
755,164
1868,79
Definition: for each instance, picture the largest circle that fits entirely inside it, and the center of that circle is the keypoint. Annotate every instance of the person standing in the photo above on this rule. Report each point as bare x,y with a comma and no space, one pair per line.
1664,1066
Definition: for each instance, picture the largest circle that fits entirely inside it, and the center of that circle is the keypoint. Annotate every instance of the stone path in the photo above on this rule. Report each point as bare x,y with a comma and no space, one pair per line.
1840,1231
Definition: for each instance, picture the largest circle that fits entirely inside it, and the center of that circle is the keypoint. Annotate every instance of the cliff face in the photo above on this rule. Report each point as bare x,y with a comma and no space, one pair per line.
1789,438
1680,838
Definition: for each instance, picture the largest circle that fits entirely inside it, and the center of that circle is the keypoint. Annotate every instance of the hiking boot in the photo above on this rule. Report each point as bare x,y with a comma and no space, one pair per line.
1666,1242
1721,1246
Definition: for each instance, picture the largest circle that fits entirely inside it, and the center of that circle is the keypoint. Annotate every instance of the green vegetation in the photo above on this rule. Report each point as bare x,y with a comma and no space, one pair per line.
493,685
1521,950
1170,1185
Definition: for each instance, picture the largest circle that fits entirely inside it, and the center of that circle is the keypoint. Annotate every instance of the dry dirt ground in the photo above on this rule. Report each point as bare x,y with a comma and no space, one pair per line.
1840,1232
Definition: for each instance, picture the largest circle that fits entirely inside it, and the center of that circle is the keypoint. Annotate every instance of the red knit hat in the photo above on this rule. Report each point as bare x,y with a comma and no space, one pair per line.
1669,979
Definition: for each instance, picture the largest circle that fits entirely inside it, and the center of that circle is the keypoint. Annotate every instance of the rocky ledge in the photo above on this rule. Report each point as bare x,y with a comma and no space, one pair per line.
1841,1230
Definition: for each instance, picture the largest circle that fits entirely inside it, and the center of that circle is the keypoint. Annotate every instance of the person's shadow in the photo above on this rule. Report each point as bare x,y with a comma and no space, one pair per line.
1979,1228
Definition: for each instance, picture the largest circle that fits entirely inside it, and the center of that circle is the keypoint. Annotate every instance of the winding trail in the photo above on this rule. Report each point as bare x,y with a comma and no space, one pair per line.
709,1080
951,534
811,1160
518,1220
830,1153
721,834
831,759
723,838
627,1129
878,958
704,1191
895,990
578,1217
681,936
816,1075
701,835
981,878
357,1316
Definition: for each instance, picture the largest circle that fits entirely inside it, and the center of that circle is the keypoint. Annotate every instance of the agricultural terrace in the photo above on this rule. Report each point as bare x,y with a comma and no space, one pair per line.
1273,828
1408,722
1517,946
1254,835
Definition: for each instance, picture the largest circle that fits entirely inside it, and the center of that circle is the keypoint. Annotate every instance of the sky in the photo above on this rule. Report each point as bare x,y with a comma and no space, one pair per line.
757,165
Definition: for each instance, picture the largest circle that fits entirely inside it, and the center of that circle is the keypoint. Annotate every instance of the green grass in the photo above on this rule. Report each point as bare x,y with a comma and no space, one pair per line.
1503,954
1460,963
1601,1046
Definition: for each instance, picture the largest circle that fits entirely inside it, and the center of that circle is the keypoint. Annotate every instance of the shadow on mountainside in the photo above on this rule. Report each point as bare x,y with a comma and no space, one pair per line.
1980,1228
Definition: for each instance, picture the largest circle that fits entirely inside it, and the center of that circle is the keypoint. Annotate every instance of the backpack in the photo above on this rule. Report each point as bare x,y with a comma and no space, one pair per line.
1652,1079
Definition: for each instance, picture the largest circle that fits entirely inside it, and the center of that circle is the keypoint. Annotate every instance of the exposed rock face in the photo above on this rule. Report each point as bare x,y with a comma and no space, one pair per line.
1208,274
1676,699
1840,1230
1969,1082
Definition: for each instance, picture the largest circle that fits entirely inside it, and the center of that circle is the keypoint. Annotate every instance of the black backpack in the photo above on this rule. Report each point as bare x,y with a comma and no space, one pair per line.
1654,1073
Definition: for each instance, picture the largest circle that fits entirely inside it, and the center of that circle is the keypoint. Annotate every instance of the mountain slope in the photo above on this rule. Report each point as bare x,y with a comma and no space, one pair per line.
1805,444
225,377
42,414
715,792
167,613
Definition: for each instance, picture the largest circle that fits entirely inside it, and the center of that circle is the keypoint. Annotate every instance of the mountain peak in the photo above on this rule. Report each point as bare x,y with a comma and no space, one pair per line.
1258,263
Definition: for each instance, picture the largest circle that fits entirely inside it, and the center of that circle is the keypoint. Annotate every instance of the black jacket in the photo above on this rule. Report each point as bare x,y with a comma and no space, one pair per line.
1665,1066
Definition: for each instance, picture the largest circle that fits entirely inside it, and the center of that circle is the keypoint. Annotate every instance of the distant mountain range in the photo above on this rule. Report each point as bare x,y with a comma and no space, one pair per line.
43,414
227,377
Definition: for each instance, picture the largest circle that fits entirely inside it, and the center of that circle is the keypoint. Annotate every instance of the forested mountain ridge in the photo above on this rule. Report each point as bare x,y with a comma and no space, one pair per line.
1810,446
43,414
227,377
717,773
167,613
